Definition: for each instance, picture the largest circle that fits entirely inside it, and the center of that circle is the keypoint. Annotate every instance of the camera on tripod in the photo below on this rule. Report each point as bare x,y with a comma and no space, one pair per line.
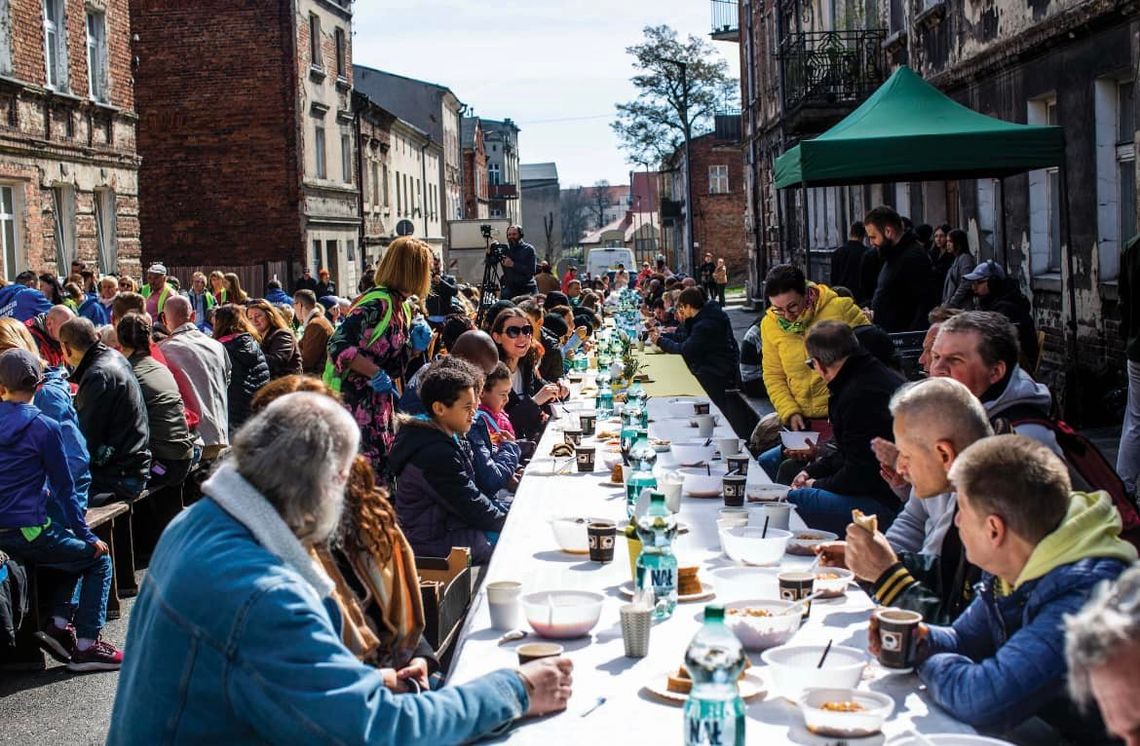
495,251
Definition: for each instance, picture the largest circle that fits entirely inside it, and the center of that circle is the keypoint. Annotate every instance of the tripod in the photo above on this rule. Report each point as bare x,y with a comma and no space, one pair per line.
489,288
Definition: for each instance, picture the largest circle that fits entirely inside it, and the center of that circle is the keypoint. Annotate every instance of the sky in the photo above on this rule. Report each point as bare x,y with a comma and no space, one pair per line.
556,68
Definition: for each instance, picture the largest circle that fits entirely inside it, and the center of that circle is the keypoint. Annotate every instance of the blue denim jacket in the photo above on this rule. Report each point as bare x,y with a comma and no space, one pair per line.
228,643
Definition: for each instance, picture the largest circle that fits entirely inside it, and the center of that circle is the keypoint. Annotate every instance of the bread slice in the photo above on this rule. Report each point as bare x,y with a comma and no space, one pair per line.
679,682
866,522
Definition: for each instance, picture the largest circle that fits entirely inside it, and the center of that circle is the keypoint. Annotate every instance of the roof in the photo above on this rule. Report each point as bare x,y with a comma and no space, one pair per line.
416,101
538,172
908,130
467,128
628,225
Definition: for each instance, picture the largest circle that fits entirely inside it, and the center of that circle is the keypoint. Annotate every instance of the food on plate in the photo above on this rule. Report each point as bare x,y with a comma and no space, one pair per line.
866,522
660,442
844,706
809,536
749,611
688,584
826,576
616,474
680,682
620,396
562,450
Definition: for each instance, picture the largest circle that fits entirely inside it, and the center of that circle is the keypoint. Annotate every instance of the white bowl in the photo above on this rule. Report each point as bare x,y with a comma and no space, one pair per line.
682,406
570,533
802,542
766,492
745,544
950,739
877,708
793,668
562,614
832,587
699,482
746,582
761,633
692,452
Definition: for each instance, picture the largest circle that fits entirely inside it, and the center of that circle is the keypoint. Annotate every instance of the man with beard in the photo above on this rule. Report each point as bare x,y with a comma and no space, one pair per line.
903,292
519,265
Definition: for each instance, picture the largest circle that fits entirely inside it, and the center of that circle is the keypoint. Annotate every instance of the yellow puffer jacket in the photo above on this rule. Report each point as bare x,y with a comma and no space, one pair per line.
794,388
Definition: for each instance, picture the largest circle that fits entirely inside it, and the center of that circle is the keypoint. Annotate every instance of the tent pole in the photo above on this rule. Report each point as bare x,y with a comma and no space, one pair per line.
1004,240
804,230
1073,407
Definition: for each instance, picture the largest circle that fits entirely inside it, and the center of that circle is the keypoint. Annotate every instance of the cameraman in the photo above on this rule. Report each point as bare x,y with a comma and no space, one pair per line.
441,302
519,265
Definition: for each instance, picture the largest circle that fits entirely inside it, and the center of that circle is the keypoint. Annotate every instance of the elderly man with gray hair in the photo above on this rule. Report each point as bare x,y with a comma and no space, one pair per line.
236,638
1102,644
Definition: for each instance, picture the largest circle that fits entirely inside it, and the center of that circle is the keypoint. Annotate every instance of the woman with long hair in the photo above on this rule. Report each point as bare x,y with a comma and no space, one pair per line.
371,348
52,289
249,371
218,286
278,341
956,291
127,284
530,396
234,293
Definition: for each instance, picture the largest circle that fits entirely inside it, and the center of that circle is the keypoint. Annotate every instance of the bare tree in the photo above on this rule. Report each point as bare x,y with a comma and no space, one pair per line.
574,206
600,199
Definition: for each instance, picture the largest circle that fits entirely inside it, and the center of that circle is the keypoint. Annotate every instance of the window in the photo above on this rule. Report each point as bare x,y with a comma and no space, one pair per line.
315,42
1115,126
105,232
897,16
63,208
96,55
5,38
374,177
319,150
1044,200
494,176
317,263
350,249
718,179
418,197
346,157
399,199
341,54
8,234
55,44
496,213
384,185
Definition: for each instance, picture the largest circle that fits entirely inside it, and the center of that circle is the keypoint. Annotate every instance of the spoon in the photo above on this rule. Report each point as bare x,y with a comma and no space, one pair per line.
823,657
514,634
798,605
597,703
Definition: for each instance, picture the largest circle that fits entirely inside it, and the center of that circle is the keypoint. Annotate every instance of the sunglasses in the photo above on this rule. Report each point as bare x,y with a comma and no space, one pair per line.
514,331
810,363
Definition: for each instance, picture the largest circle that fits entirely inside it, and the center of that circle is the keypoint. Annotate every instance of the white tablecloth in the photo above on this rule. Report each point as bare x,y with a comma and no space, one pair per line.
527,552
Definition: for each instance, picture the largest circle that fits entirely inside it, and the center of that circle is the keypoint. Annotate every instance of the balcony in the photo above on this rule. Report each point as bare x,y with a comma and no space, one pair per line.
725,20
826,74
502,191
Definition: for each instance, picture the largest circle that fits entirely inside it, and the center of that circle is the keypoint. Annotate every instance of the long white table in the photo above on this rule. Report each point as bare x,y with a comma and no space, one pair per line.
527,552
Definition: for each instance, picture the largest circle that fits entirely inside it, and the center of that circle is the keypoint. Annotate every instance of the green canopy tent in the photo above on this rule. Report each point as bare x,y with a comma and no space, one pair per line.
908,130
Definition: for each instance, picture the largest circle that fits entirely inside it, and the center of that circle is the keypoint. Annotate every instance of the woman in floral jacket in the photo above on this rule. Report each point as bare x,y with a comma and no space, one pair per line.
370,349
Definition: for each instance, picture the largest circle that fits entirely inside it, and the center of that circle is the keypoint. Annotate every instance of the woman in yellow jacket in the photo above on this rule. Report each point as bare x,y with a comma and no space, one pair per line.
797,393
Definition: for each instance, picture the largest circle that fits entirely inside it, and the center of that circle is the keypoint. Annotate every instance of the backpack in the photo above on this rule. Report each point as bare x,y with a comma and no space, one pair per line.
1087,466
332,377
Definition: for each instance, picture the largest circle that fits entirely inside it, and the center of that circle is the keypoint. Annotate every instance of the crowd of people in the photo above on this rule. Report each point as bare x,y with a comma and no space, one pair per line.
342,439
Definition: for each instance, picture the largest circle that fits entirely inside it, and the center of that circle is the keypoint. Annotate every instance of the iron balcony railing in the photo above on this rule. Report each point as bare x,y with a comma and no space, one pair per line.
831,68
725,20
503,191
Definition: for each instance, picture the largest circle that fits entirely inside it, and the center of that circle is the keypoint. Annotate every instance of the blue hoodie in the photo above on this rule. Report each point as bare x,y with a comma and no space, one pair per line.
31,456
22,303
92,309
53,398
277,296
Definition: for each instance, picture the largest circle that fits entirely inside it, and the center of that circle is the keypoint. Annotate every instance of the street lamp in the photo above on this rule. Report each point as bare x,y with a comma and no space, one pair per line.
684,112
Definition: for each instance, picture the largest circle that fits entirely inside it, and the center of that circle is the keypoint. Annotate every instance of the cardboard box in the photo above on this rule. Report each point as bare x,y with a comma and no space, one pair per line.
445,586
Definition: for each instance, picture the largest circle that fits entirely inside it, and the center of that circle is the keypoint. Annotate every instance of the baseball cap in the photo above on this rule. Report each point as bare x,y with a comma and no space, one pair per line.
20,370
157,268
988,270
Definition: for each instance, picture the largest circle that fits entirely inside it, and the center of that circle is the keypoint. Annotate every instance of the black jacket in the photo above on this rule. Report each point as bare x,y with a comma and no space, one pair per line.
519,279
869,267
1005,298
309,283
441,301
1128,286
858,412
112,415
282,353
707,344
325,288
904,293
846,267
526,416
248,373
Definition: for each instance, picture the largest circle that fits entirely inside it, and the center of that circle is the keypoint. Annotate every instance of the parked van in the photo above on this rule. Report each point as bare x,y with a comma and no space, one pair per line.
603,261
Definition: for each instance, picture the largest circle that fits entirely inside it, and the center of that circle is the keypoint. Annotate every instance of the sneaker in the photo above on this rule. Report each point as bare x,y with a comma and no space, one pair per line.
56,642
101,656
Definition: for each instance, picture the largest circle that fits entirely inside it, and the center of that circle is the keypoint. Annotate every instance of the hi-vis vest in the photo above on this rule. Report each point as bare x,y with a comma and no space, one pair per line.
334,379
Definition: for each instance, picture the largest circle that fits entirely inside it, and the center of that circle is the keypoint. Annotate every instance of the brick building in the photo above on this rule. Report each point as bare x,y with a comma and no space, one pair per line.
68,164
475,185
374,145
719,201
1066,62
501,144
248,143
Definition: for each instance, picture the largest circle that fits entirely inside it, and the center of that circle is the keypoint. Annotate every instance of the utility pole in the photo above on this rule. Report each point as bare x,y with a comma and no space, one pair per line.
683,106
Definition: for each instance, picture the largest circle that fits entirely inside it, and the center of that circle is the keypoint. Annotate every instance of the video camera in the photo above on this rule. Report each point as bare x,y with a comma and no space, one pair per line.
496,251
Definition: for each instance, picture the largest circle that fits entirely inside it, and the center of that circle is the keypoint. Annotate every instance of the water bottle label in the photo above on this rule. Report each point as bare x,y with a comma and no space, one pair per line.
710,731
663,580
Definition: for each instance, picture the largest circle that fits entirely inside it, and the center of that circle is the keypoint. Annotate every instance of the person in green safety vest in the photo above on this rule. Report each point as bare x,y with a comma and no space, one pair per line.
156,290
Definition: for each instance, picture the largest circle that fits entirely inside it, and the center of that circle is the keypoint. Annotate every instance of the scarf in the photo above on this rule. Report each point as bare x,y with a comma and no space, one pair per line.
800,325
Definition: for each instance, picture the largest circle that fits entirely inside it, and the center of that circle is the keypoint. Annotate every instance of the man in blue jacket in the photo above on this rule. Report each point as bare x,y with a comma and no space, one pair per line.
1042,548
34,469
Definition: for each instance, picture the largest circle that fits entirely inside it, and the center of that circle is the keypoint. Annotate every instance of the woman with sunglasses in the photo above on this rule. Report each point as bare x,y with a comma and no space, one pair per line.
530,397
797,393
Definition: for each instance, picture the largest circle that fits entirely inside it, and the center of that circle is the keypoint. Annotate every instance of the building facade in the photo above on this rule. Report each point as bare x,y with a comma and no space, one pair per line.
261,184
541,213
374,158
501,143
1066,62
415,160
68,157
476,189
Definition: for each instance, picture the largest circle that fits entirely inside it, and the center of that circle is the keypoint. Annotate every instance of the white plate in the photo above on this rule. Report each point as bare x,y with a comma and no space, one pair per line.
750,686
707,591
802,547
797,441
950,739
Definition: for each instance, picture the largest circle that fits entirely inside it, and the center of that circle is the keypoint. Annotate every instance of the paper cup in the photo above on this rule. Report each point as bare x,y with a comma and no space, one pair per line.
738,464
589,423
671,488
533,651
897,637
705,425
700,407
503,603
796,585
636,622
585,456
733,488
778,514
602,536
728,446
573,436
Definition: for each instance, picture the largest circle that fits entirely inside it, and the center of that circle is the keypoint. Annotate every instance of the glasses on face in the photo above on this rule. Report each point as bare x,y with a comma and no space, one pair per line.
124,286
514,331
810,363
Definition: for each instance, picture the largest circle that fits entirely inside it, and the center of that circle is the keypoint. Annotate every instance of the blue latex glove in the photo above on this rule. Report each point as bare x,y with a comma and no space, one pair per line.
420,335
382,383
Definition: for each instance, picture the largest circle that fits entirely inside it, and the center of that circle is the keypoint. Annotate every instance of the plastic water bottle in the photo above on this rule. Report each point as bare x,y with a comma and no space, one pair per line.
714,712
604,402
642,459
656,565
629,424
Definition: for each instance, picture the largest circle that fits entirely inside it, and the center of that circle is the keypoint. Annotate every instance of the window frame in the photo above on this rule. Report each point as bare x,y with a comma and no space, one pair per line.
316,55
55,45
341,40
718,178
1044,199
320,149
63,224
98,75
106,230
5,37
10,252
346,157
